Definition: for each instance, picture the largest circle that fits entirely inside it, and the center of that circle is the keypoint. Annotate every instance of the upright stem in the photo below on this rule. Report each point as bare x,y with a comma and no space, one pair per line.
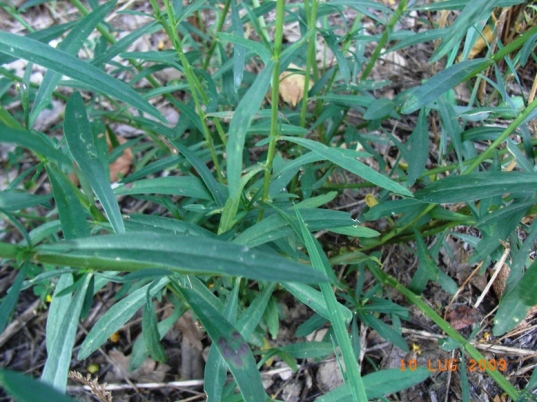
501,138
194,84
219,25
384,39
278,36
310,59
444,326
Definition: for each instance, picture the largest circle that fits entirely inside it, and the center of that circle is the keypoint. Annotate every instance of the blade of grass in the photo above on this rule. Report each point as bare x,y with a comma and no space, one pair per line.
25,388
231,345
184,254
63,63
352,371
342,158
117,316
444,326
86,149
71,45
59,356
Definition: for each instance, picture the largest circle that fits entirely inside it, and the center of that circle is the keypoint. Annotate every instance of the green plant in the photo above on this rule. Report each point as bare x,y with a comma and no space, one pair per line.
249,178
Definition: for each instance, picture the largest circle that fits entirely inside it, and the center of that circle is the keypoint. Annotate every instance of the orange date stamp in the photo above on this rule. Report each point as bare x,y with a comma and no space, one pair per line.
453,364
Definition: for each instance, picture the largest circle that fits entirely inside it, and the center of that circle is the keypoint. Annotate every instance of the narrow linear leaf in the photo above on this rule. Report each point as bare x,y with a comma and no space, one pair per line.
314,299
384,330
125,42
342,63
26,389
63,63
184,254
231,345
473,12
72,213
477,185
10,300
58,309
239,52
420,148
71,44
441,83
379,384
275,226
232,204
352,371
427,269
150,332
187,186
239,125
152,223
117,316
213,186
86,150
343,159
511,311
139,349
216,368
255,47
15,201
59,357
35,142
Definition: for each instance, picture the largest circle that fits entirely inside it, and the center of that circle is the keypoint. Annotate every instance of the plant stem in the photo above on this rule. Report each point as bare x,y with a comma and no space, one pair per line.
444,326
512,127
219,25
278,36
195,86
310,59
384,38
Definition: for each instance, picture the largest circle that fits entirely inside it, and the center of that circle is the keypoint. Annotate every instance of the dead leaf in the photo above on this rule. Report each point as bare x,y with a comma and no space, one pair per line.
486,37
121,166
463,316
149,371
292,85
190,330
499,287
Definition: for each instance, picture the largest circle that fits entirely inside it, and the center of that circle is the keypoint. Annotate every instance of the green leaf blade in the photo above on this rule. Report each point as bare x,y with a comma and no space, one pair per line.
117,316
231,345
71,44
347,162
184,254
441,83
63,63
239,125
86,151
477,185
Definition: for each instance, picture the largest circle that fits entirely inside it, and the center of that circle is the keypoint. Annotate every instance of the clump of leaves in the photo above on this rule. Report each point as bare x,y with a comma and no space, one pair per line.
237,186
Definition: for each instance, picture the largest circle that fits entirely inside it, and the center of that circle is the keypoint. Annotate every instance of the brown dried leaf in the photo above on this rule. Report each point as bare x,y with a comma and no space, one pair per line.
501,280
292,85
480,43
149,371
190,330
463,316
121,166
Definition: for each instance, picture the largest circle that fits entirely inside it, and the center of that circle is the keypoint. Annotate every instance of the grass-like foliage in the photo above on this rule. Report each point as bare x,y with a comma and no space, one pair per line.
240,196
